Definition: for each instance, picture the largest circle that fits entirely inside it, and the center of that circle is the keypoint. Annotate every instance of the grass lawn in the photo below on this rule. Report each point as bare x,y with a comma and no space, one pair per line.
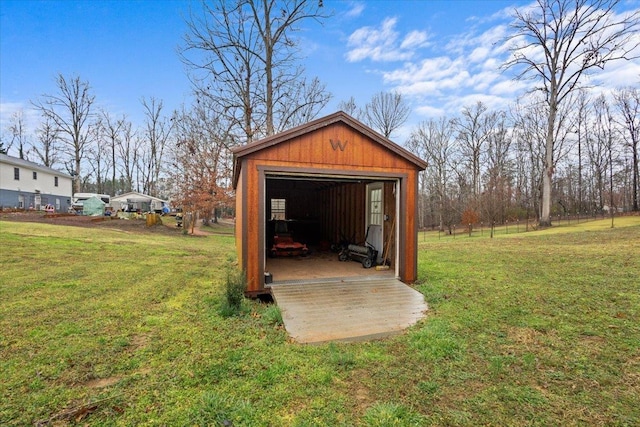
106,327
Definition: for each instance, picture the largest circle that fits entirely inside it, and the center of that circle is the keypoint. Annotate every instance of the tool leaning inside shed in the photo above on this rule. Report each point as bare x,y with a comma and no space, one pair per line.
366,254
385,261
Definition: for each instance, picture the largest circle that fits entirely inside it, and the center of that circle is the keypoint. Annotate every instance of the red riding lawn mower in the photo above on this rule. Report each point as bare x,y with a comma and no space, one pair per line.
283,243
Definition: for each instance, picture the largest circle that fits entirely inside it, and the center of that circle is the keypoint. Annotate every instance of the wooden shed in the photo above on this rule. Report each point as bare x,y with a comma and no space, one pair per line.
331,180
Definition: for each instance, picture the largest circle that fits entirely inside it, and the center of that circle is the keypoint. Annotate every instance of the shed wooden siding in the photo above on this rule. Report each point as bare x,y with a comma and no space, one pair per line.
343,211
332,147
240,227
315,150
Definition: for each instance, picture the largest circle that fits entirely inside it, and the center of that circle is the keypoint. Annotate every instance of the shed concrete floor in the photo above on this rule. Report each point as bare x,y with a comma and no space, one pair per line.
348,310
317,266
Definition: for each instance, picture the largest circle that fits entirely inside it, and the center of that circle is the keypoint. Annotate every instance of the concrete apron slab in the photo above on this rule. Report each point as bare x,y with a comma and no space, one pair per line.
349,310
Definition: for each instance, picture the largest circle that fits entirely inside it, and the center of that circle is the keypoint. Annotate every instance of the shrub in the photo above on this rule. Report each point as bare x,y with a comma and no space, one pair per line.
273,316
341,357
235,285
469,218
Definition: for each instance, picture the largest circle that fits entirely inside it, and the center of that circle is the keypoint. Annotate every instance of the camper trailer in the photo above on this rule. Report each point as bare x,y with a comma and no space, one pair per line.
78,200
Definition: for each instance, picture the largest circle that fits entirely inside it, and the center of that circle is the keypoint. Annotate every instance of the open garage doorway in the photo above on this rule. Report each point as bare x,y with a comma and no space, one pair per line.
310,220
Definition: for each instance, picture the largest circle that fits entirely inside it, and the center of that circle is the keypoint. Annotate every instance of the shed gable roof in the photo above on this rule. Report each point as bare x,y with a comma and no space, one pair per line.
338,117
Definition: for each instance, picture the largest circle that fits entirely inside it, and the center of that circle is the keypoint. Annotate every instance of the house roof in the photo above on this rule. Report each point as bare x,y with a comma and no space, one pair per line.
136,197
15,161
93,200
337,117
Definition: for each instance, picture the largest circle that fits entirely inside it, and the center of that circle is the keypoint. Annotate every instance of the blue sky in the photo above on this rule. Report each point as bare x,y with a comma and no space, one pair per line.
442,55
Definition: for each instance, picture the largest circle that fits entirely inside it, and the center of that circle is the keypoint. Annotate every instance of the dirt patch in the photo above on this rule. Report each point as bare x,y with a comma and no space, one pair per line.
102,382
111,223
362,397
525,336
139,341
106,223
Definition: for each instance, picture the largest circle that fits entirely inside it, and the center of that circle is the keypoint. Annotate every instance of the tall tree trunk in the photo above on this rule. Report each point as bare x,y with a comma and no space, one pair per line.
76,179
635,180
547,175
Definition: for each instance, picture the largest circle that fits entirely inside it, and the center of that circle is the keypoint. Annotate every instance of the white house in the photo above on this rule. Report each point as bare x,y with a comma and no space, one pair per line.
28,185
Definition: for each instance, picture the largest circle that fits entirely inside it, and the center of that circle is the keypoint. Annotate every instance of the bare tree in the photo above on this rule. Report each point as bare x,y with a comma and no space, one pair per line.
275,21
529,134
628,104
498,174
5,146
18,133
312,97
386,112
351,108
46,147
582,114
70,111
100,159
242,55
111,133
433,141
218,49
157,132
128,149
558,42
597,150
473,131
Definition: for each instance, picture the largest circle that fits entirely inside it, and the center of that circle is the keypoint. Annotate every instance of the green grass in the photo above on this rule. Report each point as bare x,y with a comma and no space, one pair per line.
514,228
104,327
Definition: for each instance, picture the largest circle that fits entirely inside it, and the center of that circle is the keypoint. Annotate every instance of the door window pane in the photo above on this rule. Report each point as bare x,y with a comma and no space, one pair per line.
278,209
376,207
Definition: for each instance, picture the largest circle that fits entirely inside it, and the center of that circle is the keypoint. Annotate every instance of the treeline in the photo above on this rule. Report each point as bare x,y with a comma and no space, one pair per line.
558,150
103,153
486,165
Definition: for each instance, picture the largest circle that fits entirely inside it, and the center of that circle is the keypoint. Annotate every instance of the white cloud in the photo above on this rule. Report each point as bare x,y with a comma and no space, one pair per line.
429,69
430,111
619,74
414,39
492,64
30,116
479,54
426,88
8,108
383,44
457,72
509,88
355,10
503,14
483,80
456,104
372,43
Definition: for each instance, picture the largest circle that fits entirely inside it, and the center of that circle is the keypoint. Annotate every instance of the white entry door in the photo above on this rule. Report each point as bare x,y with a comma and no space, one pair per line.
375,217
